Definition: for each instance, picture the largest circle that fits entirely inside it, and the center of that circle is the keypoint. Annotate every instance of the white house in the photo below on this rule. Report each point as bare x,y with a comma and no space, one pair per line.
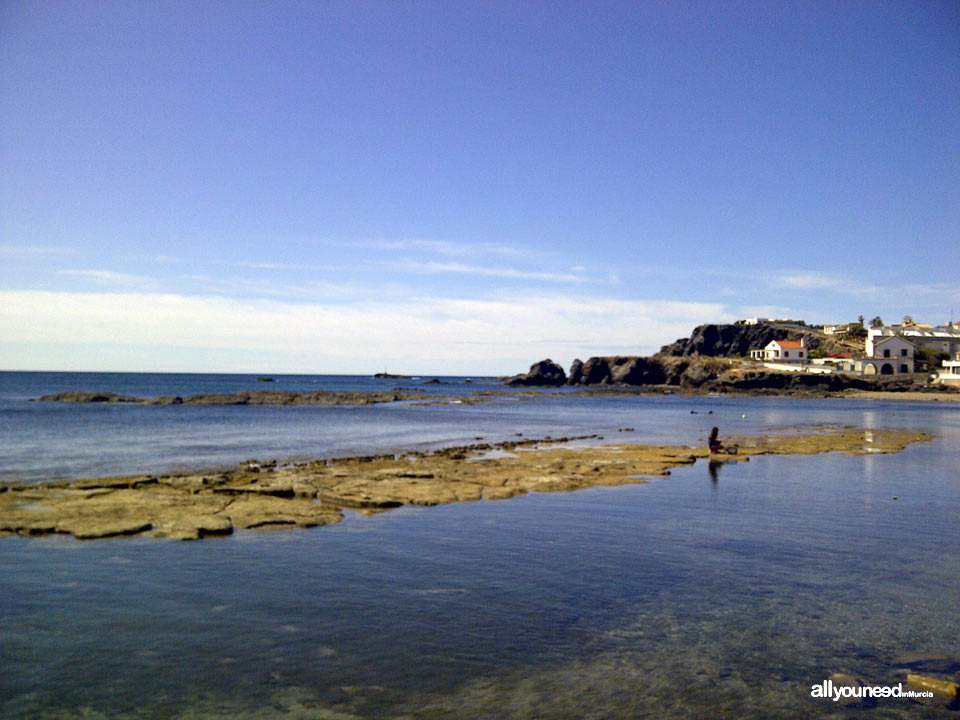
887,355
792,351
839,329
839,363
949,374
938,338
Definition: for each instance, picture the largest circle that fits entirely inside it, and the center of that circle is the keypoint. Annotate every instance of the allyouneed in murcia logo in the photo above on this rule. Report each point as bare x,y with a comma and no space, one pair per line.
828,690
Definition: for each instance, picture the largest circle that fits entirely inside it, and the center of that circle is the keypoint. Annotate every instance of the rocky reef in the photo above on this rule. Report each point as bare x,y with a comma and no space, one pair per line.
275,495
246,397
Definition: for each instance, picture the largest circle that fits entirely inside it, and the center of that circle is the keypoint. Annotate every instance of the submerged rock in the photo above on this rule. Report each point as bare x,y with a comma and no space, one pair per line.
925,662
855,698
944,688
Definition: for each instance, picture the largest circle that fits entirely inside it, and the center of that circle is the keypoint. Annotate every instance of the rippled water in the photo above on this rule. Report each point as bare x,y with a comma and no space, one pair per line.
684,597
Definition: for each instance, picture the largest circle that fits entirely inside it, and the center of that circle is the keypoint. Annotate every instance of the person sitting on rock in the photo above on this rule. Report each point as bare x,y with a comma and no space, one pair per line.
716,447
714,442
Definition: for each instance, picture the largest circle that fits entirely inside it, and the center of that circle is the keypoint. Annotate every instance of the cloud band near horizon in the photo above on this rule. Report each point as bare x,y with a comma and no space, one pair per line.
424,335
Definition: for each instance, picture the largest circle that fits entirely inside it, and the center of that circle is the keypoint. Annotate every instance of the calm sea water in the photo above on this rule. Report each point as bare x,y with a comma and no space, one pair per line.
684,597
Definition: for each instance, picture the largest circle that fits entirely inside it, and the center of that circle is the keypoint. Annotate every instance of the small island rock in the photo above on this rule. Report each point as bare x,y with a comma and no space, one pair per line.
545,372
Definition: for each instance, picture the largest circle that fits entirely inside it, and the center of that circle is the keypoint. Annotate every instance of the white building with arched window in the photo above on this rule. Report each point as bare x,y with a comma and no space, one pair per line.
887,355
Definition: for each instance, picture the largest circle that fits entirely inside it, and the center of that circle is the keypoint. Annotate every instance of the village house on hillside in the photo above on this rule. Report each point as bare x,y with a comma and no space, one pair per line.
792,351
888,350
944,338
841,329
887,355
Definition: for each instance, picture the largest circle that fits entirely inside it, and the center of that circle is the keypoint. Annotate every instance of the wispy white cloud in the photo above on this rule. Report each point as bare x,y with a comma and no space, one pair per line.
107,277
501,272
204,284
816,281
294,267
808,280
437,247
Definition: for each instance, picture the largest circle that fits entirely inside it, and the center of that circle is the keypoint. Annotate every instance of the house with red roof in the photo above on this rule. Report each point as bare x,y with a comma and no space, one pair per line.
780,351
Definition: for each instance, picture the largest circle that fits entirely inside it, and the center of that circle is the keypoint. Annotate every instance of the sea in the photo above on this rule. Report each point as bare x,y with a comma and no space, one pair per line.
723,595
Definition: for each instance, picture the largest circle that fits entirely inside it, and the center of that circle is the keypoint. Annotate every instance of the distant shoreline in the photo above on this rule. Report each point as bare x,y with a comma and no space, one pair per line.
607,390
913,395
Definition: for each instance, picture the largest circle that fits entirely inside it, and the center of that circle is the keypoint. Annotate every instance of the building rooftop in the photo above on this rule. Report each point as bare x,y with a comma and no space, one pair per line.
916,331
892,337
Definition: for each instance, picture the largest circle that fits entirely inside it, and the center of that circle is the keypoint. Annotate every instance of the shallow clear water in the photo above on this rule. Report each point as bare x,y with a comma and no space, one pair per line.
47,441
687,596
52,441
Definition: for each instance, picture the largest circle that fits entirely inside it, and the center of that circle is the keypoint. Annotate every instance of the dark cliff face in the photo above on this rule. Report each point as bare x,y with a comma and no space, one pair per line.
621,370
656,370
728,340
576,372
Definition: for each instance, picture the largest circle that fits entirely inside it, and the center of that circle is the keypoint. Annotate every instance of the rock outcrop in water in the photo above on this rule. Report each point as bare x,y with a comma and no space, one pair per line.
639,371
246,397
544,373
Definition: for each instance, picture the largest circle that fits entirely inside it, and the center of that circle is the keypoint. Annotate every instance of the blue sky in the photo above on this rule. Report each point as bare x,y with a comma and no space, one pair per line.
464,188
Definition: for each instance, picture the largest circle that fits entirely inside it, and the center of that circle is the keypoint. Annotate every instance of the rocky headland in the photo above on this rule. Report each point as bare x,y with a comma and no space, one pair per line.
708,374
712,360
276,495
728,340
738,339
